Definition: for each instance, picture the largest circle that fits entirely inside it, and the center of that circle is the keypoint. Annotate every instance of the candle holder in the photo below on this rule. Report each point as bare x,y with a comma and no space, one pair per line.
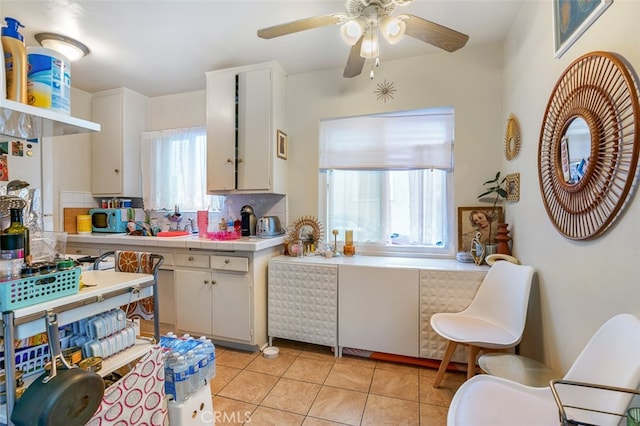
335,242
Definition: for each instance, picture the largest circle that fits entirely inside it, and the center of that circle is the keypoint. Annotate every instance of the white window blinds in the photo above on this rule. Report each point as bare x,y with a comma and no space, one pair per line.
397,141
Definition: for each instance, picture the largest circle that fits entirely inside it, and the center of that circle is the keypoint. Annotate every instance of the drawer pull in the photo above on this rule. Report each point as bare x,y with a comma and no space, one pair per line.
227,261
190,258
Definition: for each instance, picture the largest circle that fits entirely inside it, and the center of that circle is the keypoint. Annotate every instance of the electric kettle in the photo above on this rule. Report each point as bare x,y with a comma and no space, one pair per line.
248,219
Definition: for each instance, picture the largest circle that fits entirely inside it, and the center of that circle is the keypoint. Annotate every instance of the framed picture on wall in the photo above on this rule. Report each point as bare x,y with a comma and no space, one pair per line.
513,187
282,144
571,18
482,219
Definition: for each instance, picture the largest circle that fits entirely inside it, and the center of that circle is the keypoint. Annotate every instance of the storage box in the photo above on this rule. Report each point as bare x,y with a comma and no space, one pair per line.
38,289
30,360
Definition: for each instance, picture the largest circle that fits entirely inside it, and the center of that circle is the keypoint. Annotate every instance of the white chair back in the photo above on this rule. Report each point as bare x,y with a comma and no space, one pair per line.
611,358
503,297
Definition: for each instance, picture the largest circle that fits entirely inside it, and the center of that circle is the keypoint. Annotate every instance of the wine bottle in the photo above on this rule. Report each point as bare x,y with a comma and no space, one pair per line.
17,227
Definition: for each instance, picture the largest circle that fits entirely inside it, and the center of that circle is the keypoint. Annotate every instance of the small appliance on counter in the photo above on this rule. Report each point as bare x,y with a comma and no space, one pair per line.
269,226
114,220
249,221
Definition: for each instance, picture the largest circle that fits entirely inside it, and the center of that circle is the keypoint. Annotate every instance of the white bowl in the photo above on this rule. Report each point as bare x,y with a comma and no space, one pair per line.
270,352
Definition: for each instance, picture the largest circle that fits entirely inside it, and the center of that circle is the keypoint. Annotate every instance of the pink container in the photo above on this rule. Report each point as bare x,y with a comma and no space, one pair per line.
203,223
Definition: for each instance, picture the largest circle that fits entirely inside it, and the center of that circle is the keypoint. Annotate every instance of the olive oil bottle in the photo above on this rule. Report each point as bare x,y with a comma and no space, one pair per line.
17,227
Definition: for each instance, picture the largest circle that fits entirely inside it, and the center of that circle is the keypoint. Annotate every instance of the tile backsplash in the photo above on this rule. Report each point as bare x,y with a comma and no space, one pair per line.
263,205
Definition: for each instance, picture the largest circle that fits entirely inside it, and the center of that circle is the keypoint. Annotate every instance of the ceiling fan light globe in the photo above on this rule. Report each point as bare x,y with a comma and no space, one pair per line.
351,31
370,49
392,29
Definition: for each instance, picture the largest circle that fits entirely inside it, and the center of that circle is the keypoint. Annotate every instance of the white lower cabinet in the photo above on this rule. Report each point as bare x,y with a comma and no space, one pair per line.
166,297
214,303
444,291
303,303
378,309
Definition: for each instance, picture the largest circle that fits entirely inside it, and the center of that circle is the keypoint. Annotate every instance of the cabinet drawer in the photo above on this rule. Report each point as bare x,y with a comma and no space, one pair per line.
228,263
195,260
83,250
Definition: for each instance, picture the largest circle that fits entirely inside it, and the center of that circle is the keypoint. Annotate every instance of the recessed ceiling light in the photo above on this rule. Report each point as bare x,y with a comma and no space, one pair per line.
67,46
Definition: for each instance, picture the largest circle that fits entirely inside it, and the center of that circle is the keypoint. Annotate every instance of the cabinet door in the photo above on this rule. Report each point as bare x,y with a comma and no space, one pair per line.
166,297
231,306
378,309
254,130
221,132
193,301
106,146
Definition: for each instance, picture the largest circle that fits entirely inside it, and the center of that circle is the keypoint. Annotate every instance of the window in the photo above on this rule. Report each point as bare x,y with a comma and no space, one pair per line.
388,177
174,170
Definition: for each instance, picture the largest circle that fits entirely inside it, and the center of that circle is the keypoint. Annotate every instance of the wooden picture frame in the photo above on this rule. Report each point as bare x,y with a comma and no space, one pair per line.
571,18
281,144
512,184
470,221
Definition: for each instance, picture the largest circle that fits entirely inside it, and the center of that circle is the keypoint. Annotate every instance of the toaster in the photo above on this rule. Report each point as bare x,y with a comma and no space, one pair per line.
269,226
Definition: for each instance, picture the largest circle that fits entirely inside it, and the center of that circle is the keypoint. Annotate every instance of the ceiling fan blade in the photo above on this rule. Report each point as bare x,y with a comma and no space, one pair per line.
435,34
355,63
299,25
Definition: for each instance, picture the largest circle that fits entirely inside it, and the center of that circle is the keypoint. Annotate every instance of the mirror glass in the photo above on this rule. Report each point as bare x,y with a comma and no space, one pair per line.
575,149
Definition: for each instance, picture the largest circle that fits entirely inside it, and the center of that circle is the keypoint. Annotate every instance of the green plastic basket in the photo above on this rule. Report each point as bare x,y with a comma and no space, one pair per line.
40,288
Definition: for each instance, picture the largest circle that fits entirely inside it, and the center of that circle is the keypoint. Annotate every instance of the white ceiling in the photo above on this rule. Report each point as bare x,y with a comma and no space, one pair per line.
159,47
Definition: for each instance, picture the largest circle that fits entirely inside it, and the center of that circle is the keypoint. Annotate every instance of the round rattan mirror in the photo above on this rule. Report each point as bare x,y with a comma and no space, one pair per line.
589,145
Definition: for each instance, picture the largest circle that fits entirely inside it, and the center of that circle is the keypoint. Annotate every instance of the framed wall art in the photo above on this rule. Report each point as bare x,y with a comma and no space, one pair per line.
483,219
571,18
512,183
281,147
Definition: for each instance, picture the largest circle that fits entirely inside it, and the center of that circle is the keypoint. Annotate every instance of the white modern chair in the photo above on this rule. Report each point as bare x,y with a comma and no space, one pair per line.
604,377
494,320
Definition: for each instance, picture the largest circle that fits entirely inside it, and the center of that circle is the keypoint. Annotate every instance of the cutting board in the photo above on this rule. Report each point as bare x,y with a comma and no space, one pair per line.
70,218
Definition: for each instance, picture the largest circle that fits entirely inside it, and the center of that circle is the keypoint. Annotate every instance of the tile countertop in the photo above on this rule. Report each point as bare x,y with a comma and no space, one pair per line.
187,241
443,264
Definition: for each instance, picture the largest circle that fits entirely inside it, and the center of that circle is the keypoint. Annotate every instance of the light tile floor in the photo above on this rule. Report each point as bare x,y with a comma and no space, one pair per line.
307,385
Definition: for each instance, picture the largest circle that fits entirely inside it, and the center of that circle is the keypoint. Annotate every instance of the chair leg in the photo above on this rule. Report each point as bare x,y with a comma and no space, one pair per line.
471,362
451,347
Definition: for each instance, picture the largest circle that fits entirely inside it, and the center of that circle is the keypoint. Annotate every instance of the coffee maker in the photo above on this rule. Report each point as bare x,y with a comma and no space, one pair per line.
249,221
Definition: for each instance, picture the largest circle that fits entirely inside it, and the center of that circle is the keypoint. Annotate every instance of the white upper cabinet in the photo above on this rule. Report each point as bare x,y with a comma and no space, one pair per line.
115,150
245,111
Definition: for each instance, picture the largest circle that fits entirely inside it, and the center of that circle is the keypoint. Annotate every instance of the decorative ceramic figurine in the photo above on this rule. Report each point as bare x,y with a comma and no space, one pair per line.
477,249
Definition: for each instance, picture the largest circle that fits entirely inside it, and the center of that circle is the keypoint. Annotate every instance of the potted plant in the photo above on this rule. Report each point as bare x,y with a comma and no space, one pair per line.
494,187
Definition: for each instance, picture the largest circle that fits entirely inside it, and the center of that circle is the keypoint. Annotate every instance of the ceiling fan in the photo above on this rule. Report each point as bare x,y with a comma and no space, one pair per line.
362,22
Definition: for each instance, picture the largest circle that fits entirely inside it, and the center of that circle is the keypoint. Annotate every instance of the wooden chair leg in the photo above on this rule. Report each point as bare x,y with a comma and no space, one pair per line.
451,347
471,362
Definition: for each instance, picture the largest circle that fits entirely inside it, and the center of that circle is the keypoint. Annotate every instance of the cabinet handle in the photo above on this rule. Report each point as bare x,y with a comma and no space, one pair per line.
206,281
213,282
190,258
229,160
239,160
227,261
117,171
78,251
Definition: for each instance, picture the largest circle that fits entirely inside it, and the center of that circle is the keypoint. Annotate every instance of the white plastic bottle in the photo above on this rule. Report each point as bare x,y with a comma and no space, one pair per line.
194,372
15,61
211,355
181,379
203,362
169,387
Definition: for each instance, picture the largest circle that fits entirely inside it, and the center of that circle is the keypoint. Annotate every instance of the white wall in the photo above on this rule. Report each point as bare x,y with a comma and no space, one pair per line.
470,80
66,163
176,111
581,284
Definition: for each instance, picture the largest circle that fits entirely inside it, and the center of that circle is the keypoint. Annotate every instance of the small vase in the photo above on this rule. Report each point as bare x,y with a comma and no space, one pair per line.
490,249
503,238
